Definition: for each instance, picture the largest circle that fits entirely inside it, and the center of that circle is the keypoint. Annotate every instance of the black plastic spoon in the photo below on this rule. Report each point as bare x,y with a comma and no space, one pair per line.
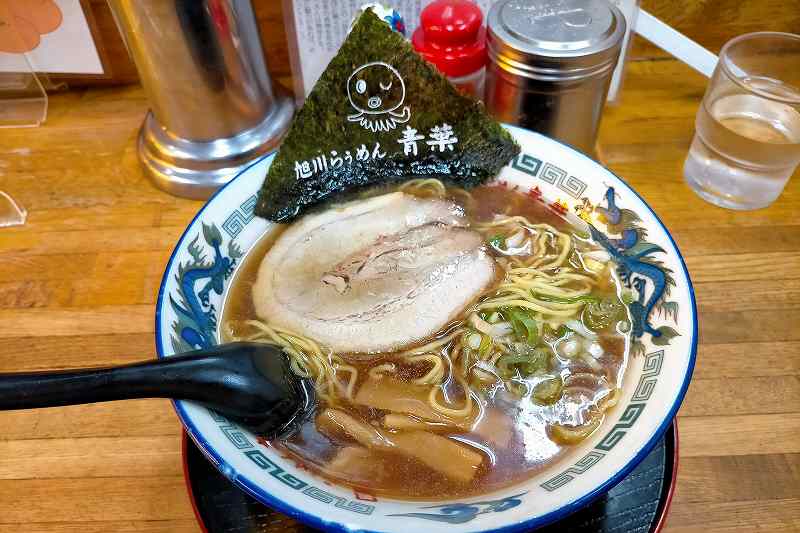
248,383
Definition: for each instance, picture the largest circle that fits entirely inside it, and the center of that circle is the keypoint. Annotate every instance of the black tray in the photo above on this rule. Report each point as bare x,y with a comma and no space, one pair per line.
638,503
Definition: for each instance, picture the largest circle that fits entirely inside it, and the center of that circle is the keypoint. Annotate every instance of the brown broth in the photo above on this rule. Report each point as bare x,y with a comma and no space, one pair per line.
528,447
238,304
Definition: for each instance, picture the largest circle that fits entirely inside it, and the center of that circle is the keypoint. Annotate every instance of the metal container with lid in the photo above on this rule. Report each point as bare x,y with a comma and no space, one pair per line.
214,109
550,64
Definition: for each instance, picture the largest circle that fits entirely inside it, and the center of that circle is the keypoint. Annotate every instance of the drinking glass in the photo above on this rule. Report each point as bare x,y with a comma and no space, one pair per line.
747,133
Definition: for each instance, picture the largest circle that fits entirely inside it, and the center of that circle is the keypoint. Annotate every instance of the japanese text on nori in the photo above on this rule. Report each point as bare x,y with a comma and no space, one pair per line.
379,114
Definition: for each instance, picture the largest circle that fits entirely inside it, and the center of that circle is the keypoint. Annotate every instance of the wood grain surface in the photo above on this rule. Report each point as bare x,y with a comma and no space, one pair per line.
79,280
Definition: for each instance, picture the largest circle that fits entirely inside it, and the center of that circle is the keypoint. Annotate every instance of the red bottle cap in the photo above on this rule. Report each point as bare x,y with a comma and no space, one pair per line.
451,35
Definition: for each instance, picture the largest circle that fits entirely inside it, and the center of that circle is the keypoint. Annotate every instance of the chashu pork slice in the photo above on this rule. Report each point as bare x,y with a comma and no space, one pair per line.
373,275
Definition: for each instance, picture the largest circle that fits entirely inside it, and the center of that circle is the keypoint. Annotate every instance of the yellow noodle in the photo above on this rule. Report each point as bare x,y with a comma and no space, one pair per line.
509,289
525,304
463,412
379,370
435,374
433,345
306,359
468,199
428,187
351,383
566,249
545,271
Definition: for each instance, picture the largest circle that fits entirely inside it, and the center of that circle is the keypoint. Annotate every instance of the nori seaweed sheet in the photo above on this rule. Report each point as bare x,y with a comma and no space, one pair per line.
322,126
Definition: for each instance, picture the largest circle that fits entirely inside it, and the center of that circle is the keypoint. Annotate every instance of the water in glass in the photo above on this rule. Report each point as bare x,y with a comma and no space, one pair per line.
746,146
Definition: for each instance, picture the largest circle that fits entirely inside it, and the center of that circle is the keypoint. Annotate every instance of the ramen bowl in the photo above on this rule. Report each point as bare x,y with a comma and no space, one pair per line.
663,347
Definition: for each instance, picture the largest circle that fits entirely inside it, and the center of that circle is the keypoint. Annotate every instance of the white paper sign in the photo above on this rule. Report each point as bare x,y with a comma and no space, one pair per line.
53,34
321,26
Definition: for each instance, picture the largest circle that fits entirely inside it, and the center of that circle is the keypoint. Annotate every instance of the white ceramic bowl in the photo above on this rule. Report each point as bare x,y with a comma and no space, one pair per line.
201,268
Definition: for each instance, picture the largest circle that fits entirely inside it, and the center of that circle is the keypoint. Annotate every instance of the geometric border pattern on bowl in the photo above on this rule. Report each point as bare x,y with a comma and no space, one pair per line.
220,267
233,225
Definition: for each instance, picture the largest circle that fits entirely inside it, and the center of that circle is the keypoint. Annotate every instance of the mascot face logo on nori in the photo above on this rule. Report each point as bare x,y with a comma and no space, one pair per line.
377,92
376,88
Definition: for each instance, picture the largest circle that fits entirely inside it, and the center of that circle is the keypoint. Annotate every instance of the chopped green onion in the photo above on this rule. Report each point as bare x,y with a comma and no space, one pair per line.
516,388
548,391
525,327
474,340
573,434
627,297
485,346
513,359
600,315
498,241
552,335
570,348
526,360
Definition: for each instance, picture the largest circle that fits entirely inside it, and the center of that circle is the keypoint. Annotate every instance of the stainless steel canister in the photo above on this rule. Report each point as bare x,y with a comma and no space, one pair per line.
550,65
213,106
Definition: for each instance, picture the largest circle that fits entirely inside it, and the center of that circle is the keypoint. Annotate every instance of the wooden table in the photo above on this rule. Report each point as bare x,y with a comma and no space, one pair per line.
78,283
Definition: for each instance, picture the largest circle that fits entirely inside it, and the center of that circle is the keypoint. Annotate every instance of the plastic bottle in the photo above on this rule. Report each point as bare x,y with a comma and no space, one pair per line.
451,35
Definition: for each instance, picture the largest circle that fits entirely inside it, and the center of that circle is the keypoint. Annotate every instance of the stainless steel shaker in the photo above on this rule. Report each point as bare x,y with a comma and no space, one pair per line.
550,65
213,108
